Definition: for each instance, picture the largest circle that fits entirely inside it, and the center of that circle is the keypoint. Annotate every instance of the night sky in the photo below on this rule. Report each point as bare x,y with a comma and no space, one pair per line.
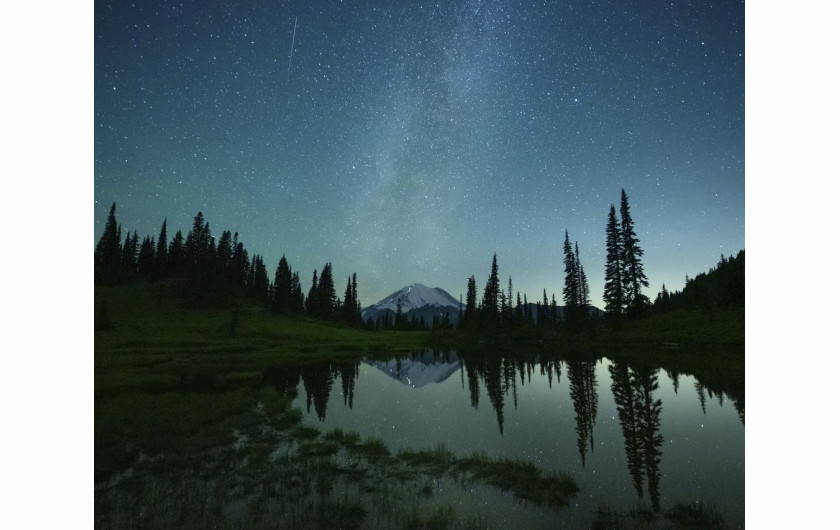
409,141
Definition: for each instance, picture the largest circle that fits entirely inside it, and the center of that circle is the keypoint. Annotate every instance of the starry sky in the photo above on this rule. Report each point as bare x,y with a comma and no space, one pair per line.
408,141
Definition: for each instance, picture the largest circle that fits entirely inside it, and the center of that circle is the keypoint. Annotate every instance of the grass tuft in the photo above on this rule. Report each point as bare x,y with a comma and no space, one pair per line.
521,478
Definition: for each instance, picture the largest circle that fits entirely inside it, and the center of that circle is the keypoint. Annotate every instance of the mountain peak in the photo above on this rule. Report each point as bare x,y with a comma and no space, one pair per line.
410,297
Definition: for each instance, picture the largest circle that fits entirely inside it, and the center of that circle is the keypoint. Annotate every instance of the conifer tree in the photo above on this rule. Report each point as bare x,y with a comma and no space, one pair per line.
129,256
583,284
614,281
633,274
470,309
283,287
175,256
146,258
312,302
490,303
349,307
161,254
297,306
571,296
106,258
327,296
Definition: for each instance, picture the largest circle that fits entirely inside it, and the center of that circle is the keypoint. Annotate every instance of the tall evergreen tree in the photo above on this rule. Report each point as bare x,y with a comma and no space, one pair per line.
175,256
583,284
326,287
106,257
490,303
146,258
470,309
283,287
349,308
614,277
161,254
571,296
313,304
260,284
633,275
297,295
129,256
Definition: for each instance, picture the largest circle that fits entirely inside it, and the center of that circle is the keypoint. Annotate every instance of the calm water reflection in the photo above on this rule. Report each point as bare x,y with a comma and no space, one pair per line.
627,432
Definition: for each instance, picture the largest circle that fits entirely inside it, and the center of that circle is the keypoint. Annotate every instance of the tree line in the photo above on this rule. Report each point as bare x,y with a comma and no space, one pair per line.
623,295
721,288
211,272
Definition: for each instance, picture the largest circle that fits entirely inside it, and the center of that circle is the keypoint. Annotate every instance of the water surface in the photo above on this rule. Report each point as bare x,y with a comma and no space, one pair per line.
630,435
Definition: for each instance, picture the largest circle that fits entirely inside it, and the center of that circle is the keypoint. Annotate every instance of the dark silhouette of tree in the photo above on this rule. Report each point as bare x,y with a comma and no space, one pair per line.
571,296
128,263
633,274
628,417
297,306
614,284
582,388
282,295
349,372
639,416
317,383
722,287
312,299
509,315
175,259
326,293
146,258
470,309
161,254
259,284
583,284
490,303
107,256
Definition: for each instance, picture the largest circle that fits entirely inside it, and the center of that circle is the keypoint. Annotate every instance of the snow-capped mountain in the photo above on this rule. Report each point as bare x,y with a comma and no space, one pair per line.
417,299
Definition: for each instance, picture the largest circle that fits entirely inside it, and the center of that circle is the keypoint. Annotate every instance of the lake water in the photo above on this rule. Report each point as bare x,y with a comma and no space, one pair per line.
629,435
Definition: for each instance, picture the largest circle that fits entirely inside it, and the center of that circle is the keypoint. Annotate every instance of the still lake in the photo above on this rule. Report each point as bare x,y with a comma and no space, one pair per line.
630,435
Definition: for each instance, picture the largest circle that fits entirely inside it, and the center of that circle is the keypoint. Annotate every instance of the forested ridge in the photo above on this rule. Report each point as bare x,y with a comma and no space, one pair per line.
206,271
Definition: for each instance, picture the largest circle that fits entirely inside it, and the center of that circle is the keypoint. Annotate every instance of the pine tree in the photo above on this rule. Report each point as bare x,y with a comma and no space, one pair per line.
614,283
633,275
313,304
349,307
326,288
260,284
128,263
470,309
297,306
106,257
509,315
146,258
283,287
161,254
490,303
571,296
175,256
583,284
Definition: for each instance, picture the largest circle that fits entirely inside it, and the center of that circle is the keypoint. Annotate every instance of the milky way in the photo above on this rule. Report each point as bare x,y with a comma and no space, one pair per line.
409,141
